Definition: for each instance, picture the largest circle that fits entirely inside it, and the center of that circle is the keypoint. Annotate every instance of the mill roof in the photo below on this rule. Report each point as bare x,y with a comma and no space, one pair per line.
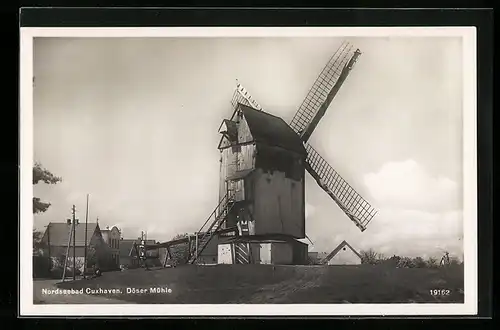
59,233
272,130
338,248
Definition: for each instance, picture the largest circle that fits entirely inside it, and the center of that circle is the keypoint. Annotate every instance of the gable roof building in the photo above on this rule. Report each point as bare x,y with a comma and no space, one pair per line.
58,233
343,254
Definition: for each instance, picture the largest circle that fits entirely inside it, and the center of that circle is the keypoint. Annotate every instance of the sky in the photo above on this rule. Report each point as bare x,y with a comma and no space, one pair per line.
133,122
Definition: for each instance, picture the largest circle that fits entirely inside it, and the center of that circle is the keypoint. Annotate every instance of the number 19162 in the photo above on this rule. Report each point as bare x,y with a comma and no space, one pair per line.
441,292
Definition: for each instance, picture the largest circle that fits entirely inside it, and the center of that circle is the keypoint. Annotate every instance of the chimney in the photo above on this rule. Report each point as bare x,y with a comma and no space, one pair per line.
68,221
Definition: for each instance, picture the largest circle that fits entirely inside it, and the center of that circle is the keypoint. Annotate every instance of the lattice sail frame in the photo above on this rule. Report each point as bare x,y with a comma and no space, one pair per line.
321,87
241,95
353,205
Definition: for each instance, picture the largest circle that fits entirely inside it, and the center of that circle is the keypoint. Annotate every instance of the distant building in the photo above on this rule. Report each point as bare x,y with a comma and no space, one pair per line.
56,239
322,255
128,254
343,254
313,256
112,238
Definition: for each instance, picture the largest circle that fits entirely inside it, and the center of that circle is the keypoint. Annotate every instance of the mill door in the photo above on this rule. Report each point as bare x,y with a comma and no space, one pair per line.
265,253
224,254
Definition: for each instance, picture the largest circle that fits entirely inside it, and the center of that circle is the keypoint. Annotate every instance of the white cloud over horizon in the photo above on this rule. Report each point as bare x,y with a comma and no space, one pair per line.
406,185
417,214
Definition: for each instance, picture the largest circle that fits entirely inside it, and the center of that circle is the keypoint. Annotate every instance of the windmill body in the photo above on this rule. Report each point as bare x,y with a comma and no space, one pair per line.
262,164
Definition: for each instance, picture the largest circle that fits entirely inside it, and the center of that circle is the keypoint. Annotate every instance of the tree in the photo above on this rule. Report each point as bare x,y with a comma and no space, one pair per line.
37,241
179,251
369,257
179,236
419,262
393,261
42,174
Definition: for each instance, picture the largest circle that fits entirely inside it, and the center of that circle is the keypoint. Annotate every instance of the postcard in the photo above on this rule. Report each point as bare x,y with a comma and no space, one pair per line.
248,171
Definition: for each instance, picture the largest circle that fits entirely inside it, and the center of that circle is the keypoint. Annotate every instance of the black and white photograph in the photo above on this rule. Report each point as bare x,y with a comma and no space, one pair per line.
266,170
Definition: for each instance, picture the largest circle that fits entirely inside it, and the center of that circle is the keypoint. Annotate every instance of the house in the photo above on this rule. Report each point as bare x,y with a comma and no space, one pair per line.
343,254
313,256
112,238
128,255
56,238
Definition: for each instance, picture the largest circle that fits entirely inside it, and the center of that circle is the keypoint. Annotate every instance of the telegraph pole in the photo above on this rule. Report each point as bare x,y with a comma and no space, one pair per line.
85,252
74,242
48,247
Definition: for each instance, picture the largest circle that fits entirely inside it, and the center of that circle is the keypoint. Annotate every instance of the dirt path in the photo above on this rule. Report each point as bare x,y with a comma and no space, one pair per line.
40,298
283,292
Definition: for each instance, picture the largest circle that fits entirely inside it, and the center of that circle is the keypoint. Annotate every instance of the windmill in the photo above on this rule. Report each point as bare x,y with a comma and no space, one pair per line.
263,160
307,118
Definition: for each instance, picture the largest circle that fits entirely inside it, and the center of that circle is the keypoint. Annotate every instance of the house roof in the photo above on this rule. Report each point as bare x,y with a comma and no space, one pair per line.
59,233
272,130
338,248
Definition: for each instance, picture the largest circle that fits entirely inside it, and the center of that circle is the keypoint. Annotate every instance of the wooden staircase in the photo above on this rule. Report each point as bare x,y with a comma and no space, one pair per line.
211,227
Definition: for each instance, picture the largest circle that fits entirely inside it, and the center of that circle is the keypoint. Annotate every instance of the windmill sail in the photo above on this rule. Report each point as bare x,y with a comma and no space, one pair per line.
353,205
319,93
241,95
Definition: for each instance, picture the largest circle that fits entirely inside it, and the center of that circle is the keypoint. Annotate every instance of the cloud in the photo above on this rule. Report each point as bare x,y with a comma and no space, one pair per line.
418,213
416,233
406,185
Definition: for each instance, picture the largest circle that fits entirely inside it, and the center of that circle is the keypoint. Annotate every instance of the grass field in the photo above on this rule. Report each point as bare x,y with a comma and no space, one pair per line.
281,284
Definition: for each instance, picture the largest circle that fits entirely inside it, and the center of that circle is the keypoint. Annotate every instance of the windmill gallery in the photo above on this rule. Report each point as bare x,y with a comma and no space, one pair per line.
260,217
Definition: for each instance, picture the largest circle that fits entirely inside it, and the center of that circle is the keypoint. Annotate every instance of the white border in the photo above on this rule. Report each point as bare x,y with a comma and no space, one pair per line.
468,34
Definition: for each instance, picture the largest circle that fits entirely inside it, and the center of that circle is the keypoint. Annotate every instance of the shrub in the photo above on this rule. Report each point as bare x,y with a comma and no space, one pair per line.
369,257
41,266
419,262
432,262
406,262
312,261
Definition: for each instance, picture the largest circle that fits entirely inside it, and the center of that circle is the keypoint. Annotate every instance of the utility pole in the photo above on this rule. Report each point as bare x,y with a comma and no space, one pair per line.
74,243
85,252
196,245
48,247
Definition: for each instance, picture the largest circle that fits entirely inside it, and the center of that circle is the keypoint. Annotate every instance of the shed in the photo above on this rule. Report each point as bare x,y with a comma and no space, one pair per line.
262,249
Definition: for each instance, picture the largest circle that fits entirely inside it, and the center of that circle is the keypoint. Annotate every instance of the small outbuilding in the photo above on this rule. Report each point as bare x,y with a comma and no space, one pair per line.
268,249
343,254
